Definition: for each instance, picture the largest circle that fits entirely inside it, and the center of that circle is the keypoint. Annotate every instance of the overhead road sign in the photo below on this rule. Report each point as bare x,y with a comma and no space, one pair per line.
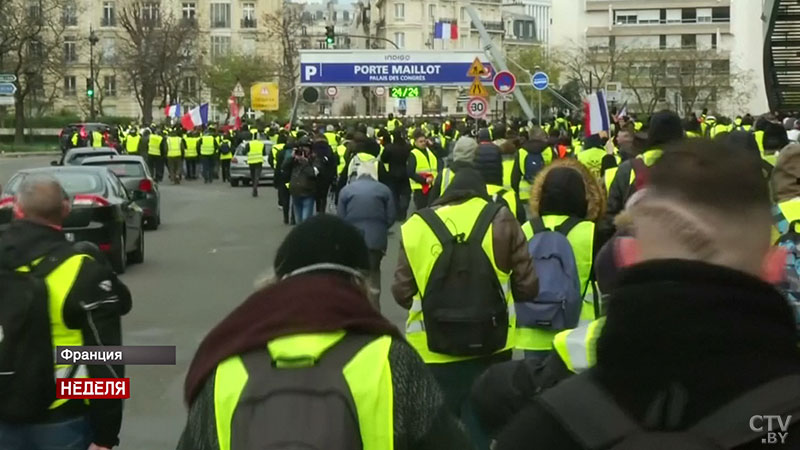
477,107
540,81
505,82
7,78
8,88
383,67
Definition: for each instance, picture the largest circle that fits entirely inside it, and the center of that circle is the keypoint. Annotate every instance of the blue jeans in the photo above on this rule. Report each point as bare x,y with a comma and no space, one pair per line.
303,208
73,434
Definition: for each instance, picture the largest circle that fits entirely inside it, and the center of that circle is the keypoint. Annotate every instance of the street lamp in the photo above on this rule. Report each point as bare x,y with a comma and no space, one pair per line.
93,40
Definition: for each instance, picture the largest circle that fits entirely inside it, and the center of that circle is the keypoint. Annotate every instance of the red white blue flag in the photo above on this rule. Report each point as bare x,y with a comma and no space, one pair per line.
445,30
595,111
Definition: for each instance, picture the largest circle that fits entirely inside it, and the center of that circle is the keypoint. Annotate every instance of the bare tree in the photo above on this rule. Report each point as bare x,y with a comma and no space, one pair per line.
286,27
156,45
31,48
590,66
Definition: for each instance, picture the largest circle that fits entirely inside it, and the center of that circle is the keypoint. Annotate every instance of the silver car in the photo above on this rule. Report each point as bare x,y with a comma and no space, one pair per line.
135,175
75,156
240,170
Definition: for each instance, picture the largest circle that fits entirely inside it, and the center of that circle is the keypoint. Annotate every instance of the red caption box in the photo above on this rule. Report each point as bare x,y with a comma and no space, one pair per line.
69,388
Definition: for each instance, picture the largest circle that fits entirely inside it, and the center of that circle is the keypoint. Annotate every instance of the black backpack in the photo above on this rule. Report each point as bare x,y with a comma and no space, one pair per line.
27,379
464,305
301,403
596,422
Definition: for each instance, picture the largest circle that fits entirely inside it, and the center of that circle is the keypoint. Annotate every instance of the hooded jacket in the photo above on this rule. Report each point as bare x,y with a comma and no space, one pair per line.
88,301
785,181
595,202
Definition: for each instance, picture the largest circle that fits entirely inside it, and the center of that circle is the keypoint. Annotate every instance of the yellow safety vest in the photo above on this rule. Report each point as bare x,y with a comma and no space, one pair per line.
392,124
759,135
578,347
59,284
426,162
229,155
692,134
256,153
422,250
333,140
368,376
207,145
509,196
771,158
132,144
341,150
581,238
174,146
608,178
592,159
275,149
508,167
447,176
191,146
154,144
97,139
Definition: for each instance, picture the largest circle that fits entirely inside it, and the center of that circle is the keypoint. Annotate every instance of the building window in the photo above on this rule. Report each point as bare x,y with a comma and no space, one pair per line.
400,11
35,11
432,12
70,15
70,51
721,67
704,15
220,46
662,93
189,87
109,18
721,14
151,12
109,86
662,41
689,41
248,15
625,18
220,15
108,50
400,39
35,49
346,16
189,10
714,41
70,86
319,15
689,15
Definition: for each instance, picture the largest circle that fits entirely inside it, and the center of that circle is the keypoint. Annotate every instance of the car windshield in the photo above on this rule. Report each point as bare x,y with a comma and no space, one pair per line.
122,169
73,182
78,158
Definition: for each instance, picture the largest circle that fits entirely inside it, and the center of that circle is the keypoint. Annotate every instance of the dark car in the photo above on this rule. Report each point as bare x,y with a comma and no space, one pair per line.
75,156
84,134
136,177
103,212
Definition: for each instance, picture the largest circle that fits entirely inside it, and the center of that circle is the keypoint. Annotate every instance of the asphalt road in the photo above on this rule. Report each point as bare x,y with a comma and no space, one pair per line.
214,243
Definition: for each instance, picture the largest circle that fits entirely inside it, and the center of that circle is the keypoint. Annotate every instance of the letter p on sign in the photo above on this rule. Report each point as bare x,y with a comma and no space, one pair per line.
310,71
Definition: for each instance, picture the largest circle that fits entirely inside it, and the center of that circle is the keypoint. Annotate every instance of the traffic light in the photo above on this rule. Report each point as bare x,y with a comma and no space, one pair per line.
330,35
89,88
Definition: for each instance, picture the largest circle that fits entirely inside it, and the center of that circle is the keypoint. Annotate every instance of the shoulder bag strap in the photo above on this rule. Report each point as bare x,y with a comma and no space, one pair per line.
483,222
537,224
567,225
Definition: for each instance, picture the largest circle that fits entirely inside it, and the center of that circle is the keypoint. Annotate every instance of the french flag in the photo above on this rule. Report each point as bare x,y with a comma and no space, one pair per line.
445,30
172,111
196,117
595,111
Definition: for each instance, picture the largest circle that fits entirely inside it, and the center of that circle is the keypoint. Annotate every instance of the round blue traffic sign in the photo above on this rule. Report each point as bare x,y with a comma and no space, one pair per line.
505,82
540,81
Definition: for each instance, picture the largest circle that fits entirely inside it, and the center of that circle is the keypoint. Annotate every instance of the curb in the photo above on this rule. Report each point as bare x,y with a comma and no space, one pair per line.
27,154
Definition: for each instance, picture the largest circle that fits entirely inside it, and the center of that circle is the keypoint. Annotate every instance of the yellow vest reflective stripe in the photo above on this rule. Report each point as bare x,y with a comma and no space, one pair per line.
332,139
592,158
154,144
132,143
174,146
97,139
59,284
229,155
256,153
368,375
581,238
275,149
191,146
207,145
772,159
608,178
422,250
508,167
509,196
578,347
447,176
759,135
426,162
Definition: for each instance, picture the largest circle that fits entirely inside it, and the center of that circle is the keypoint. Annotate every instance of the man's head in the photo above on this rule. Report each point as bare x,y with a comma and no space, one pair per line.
705,202
665,127
625,142
484,135
391,116
42,199
420,141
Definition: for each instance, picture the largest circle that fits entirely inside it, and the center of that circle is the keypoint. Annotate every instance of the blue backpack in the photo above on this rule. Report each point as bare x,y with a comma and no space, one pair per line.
534,163
790,286
558,304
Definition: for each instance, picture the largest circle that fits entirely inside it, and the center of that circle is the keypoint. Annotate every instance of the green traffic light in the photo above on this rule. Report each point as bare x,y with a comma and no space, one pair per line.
329,40
90,92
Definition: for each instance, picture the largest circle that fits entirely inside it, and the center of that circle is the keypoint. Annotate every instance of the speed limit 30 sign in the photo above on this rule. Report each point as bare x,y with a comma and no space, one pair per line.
477,107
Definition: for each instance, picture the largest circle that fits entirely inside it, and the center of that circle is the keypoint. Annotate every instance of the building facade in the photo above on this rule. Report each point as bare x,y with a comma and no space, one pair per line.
539,10
728,33
225,27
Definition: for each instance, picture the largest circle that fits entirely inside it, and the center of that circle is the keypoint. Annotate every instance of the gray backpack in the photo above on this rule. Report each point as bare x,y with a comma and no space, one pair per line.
298,404
595,421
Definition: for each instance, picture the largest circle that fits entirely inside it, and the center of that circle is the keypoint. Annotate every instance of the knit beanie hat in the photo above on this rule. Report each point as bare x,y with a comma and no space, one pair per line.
322,239
563,193
465,149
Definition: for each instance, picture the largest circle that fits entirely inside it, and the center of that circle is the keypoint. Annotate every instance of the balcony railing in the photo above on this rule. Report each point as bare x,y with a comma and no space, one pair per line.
220,24
492,27
248,22
675,21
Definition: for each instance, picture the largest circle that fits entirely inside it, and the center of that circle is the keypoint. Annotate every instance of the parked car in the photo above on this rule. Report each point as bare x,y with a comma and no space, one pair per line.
136,176
240,171
75,156
103,211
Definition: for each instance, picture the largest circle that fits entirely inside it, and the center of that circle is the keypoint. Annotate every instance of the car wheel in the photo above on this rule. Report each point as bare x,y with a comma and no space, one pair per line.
119,259
137,256
234,182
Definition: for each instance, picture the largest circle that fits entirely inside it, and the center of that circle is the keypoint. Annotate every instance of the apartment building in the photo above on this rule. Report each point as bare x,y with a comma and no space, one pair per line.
730,29
539,11
225,26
